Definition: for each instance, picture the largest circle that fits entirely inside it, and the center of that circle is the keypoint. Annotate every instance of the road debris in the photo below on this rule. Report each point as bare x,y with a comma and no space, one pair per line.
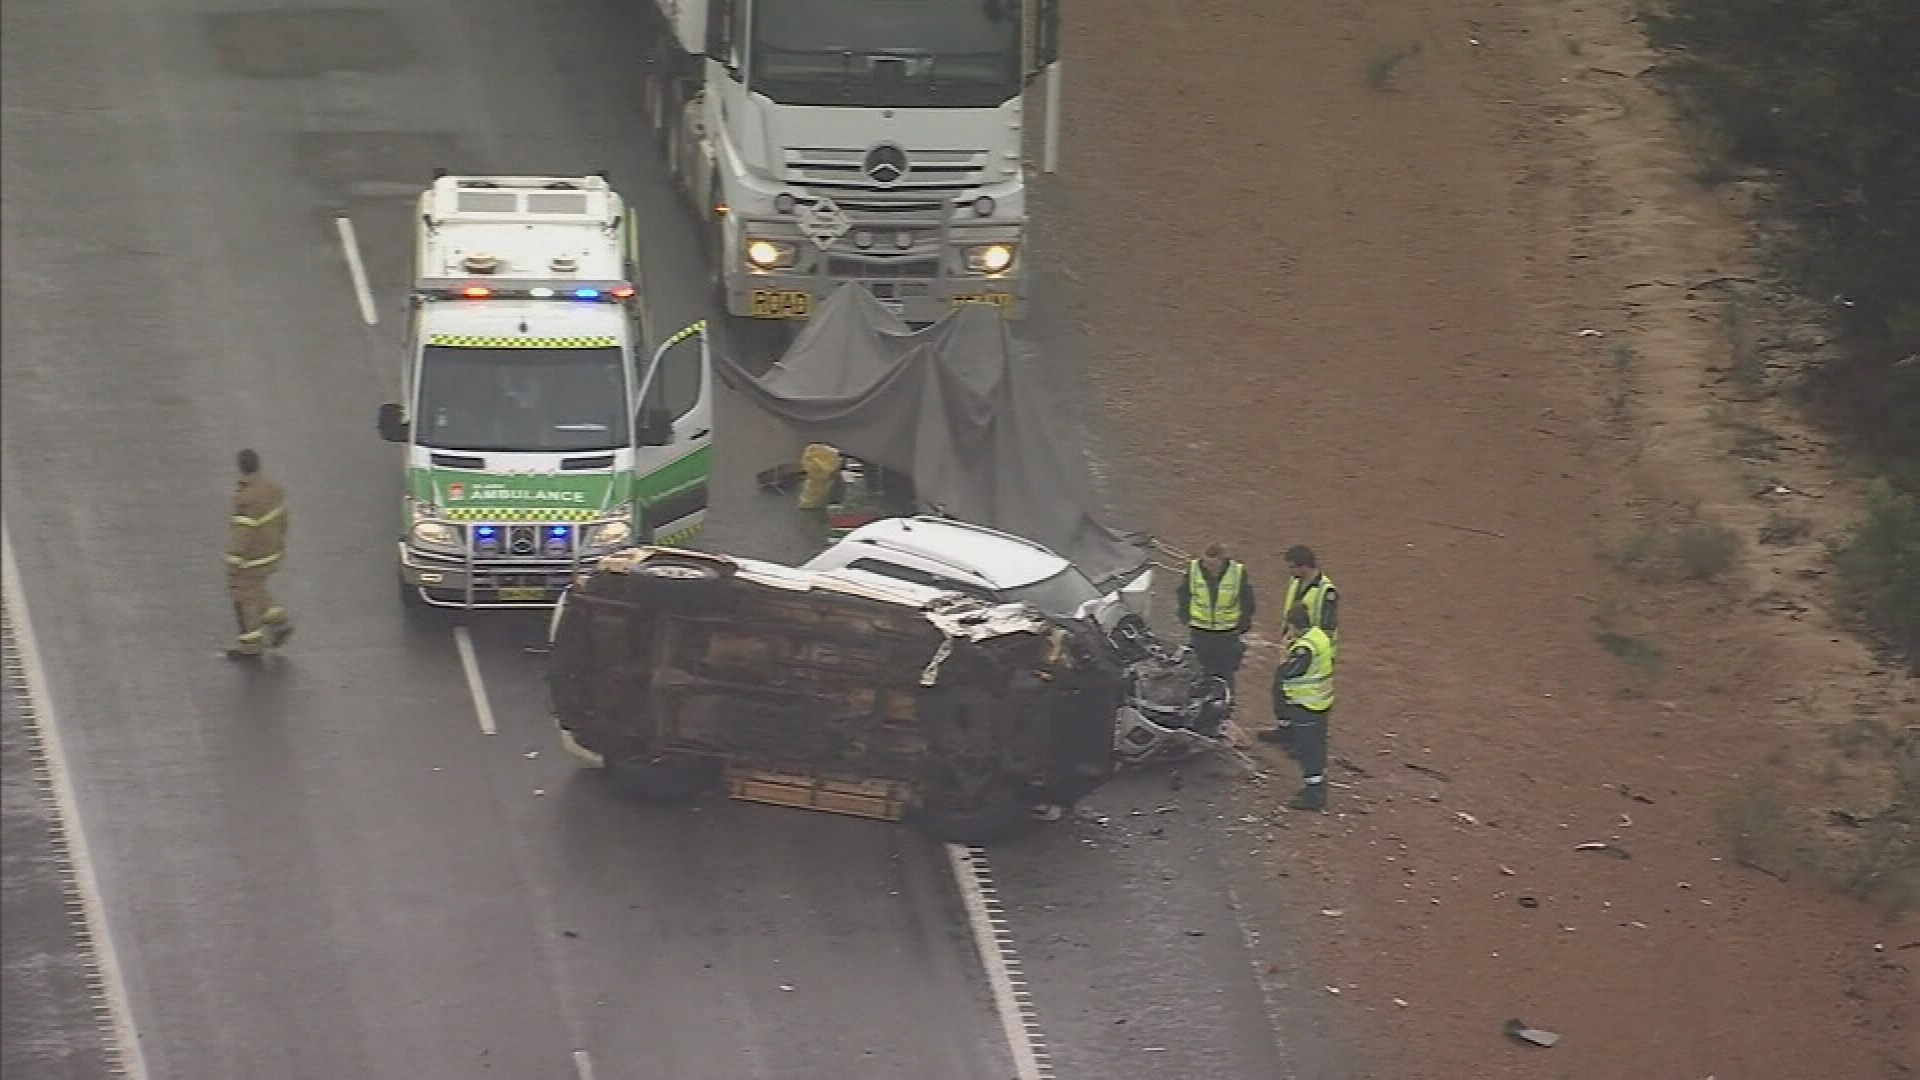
1332,912
1604,848
1520,1031
1528,902
1465,818
1428,770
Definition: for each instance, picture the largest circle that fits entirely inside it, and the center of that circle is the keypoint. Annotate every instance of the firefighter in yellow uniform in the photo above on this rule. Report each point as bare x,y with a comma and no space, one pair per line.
256,540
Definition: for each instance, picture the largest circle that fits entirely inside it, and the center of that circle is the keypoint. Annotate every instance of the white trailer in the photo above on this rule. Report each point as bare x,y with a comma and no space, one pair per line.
870,141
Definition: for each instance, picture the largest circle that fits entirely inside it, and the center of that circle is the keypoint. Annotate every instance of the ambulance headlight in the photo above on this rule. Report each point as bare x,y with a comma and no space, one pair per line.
989,258
435,534
769,254
607,535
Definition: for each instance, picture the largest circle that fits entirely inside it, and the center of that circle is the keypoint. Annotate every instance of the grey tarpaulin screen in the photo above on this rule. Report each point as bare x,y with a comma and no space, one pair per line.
959,406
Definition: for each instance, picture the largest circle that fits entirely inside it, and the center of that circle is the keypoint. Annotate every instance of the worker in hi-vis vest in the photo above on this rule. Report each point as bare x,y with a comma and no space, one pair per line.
1302,705
1310,588
256,540
1216,602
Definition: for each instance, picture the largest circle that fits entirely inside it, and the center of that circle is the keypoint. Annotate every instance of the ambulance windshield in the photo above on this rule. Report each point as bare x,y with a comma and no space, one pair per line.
522,400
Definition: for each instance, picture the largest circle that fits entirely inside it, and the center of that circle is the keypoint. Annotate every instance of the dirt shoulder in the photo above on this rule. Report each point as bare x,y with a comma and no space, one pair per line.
1427,286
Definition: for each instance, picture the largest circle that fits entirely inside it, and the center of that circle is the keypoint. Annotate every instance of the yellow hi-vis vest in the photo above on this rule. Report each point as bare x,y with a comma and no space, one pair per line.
1214,609
1313,688
1314,596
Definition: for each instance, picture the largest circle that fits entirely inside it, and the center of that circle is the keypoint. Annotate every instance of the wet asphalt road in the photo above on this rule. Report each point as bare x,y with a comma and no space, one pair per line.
325,869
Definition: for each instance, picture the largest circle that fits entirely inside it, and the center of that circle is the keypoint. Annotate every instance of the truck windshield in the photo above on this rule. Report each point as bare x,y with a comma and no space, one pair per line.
901,53
521,400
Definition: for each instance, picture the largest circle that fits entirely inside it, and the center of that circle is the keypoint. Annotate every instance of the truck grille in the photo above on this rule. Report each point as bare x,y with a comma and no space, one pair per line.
939,174
882,266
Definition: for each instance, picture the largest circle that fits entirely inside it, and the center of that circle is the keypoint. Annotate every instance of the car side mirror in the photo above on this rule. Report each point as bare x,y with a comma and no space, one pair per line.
393,423
653,427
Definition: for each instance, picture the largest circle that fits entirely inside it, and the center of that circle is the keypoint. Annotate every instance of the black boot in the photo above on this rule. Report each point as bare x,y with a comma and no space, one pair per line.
1312,797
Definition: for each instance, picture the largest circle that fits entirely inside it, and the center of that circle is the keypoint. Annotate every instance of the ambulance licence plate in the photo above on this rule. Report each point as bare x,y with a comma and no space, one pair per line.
516,594
779,304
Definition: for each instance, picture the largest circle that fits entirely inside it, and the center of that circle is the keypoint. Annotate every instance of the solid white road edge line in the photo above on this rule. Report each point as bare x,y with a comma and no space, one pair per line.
582,1065
356,269
44,728
990,936
482,708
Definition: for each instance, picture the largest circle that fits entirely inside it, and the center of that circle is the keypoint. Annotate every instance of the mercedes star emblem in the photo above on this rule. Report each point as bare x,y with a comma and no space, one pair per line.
885,164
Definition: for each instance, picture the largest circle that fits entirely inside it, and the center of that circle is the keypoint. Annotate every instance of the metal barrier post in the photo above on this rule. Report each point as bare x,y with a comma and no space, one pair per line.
1050,152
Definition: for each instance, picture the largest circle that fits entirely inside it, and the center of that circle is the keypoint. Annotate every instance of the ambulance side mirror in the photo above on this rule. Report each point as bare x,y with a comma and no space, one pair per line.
392,423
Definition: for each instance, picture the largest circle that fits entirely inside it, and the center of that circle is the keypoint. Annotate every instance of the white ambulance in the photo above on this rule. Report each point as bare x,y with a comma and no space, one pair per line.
541,431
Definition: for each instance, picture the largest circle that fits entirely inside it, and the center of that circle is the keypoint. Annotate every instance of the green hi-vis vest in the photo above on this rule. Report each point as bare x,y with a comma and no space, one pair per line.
1214,609
1313,688
1314,596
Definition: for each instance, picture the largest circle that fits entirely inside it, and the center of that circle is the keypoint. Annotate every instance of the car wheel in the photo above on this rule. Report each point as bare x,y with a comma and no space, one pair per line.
669,568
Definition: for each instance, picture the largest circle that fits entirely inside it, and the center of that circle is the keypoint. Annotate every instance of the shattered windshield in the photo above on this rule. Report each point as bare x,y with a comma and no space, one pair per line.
905,53
521,400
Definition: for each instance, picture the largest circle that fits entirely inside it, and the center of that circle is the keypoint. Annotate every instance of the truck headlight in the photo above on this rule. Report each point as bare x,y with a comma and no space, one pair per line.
604,535
989,258
435,534
769,254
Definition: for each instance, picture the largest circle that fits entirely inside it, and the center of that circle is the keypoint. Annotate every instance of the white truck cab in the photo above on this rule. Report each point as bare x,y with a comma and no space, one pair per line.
541,433
833,141
946,554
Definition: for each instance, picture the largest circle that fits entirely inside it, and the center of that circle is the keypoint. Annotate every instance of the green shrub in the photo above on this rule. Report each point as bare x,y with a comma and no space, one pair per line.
1879,565
1706,549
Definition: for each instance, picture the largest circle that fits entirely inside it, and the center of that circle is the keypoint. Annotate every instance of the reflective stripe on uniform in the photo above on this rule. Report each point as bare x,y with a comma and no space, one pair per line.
240,562
254,523
487,341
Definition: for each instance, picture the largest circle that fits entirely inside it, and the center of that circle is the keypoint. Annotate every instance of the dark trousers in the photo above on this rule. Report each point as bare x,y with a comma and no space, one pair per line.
1219,651
1307,739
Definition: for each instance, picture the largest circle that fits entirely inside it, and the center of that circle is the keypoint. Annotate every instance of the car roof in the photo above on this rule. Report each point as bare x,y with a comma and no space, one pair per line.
962,550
